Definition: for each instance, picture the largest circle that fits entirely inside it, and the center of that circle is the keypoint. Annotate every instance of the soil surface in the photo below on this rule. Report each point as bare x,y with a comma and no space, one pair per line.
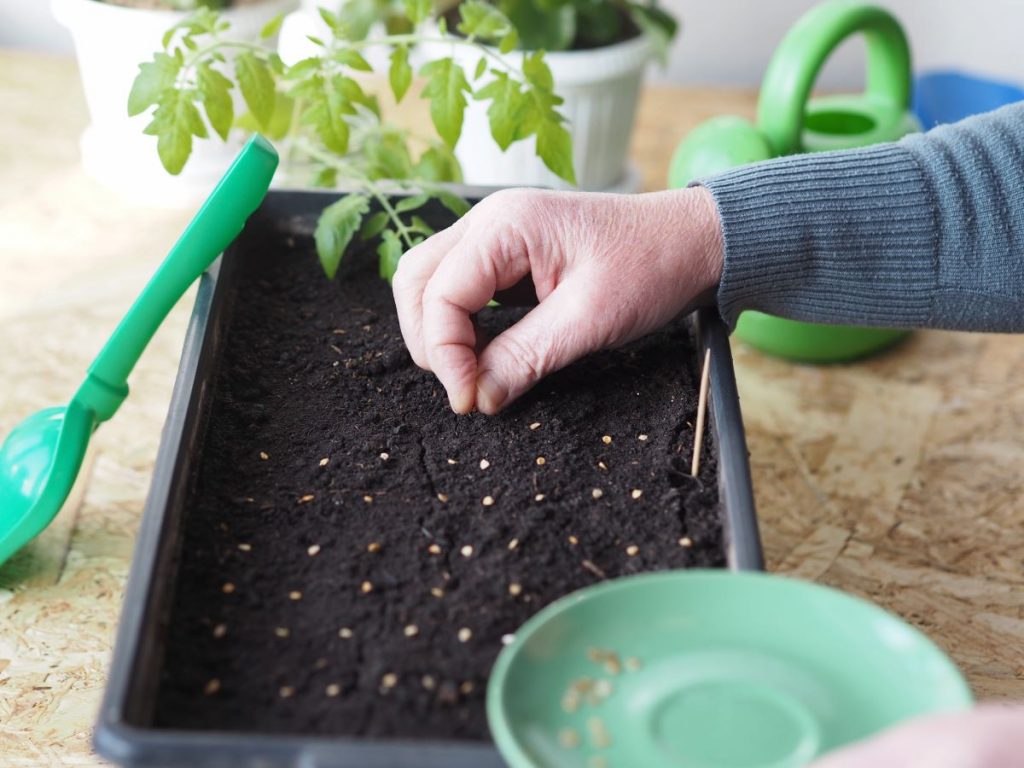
354,552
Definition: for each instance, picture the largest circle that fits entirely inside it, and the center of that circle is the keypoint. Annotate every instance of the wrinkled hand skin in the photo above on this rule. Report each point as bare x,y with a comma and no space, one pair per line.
606,269
990,736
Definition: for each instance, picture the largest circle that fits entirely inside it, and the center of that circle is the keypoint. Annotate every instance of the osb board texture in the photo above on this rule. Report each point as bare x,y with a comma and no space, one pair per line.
898,479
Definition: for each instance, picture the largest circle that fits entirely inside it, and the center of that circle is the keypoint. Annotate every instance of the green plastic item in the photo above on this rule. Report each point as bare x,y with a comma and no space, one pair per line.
712,669
788,123
42,455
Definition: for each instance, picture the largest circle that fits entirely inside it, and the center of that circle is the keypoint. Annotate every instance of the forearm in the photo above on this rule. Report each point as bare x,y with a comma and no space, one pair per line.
927,232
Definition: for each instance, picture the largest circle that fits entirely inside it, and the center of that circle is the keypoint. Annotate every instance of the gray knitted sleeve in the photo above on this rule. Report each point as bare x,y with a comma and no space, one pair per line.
926,232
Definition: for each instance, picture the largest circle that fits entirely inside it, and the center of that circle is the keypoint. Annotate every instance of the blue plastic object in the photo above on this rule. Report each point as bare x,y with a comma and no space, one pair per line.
948,96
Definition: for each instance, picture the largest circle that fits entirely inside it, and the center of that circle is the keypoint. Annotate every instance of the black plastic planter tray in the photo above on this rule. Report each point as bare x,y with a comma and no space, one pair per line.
126,732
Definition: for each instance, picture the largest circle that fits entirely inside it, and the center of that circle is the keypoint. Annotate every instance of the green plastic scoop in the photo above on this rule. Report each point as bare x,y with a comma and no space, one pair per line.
41,457
709,669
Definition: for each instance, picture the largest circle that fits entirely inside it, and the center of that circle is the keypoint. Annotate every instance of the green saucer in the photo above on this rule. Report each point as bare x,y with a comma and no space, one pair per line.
709,669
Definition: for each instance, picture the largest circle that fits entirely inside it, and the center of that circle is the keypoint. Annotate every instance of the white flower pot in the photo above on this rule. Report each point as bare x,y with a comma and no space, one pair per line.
295,45
110,42
601,88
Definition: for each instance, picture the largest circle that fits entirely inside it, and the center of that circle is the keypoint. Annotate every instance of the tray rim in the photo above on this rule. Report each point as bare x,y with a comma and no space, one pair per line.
118,740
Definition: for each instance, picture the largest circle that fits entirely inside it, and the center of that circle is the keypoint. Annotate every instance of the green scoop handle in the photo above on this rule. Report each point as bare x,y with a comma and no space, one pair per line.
218,222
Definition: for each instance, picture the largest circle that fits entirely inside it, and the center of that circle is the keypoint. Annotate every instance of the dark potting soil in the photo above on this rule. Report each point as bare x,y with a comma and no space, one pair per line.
354,552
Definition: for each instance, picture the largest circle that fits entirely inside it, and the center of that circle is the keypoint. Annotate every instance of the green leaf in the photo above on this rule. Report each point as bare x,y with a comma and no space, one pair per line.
387,156
539,29
350,57
659,26
418,10
481,67
509,42
411,203
482,20
437,164
325,108
280,121
335,228
554,147
174,123
330,19
509,110
453,202
446,89
303,68
154,79
537,72
316,41
271,27
256,82
357,17
326,177
215,92
400,73
373,225
389,251
419,225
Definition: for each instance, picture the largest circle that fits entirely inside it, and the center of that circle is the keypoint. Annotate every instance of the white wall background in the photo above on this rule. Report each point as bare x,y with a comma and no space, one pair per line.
730,41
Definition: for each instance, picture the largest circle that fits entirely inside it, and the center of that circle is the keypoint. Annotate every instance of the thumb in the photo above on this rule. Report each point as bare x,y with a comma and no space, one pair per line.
552,335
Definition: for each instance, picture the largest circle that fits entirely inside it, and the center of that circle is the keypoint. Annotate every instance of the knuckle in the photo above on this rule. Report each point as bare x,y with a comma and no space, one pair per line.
527,360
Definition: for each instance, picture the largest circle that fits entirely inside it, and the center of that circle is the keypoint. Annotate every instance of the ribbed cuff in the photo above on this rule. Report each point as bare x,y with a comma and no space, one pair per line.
845,237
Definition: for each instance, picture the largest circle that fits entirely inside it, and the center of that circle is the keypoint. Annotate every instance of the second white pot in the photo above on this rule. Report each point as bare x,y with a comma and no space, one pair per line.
601,88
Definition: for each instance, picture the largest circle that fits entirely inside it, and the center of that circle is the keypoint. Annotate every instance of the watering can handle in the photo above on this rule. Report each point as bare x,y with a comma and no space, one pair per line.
805,49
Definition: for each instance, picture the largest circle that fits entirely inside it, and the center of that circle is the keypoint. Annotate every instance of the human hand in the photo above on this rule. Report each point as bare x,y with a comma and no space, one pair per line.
988,737
606,269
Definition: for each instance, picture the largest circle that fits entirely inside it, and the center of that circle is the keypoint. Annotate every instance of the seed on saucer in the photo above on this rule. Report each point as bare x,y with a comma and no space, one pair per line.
686,541
597,493
264,455
535,425
465,634
281,631
324,461
307,498
599,736
466,551
488,501
245,547
434,549
220,630
228,588
632,663
286,692
366,587
637,493
513,543
442,497
632,550
484,463
569,738
211,687
295,595
313,550
541,461
602,689
345,633
596,761
515,589
373,547
332,690
607,439
411,630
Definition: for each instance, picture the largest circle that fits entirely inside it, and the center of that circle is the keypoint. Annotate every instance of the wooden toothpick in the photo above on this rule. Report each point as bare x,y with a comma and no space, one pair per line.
702,409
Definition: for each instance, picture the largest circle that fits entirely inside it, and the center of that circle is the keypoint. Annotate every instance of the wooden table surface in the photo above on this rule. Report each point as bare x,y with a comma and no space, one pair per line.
900,479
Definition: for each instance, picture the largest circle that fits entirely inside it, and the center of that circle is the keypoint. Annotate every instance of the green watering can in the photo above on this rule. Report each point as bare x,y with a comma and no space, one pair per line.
788,123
